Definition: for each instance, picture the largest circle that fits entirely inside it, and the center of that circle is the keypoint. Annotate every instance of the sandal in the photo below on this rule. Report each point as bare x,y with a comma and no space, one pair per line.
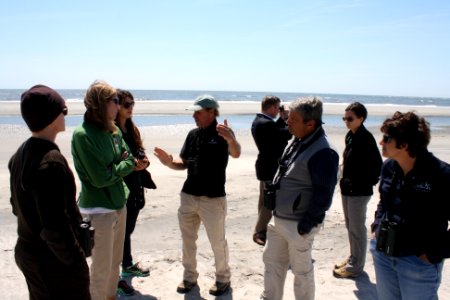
260,238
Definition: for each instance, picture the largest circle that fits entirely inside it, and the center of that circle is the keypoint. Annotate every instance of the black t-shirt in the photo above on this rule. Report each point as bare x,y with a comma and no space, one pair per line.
206,154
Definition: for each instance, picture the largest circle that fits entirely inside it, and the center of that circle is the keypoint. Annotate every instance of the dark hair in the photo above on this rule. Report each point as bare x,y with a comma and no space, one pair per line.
95,100
408,130
359,110
269,101
129,124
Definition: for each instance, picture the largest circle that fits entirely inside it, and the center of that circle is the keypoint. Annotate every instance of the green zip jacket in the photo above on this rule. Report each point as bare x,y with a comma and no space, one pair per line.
97,156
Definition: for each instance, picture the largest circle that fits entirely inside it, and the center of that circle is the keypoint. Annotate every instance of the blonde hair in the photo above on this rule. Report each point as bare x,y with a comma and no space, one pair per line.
95,101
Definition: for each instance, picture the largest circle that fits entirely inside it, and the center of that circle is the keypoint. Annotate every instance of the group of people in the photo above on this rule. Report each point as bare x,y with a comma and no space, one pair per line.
410,237
110,160
297,168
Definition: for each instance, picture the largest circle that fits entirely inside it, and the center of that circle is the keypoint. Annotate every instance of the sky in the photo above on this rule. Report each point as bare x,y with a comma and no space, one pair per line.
378,47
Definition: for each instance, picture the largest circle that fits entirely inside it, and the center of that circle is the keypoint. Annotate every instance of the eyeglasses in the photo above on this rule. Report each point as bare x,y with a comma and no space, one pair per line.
348,119
387,139
65,111
115,100
128,104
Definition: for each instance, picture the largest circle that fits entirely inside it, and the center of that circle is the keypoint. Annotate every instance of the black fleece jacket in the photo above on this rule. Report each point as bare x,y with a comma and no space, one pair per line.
362,163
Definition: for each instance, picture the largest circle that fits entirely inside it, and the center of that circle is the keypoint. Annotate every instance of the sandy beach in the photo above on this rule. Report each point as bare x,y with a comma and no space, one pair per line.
156,242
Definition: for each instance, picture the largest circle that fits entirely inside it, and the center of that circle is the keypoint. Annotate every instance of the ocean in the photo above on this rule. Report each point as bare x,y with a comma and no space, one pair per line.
239,121
149,95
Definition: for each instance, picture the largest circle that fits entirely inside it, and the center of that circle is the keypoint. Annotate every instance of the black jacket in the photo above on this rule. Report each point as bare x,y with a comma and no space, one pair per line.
136,180
362,163
418,203
43,199
271,138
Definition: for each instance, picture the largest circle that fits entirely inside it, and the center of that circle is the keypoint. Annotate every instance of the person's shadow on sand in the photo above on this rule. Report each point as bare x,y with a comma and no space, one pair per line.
194,294
366,290
138,296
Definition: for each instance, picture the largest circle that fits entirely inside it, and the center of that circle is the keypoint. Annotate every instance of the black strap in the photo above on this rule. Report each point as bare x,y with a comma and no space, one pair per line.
292,153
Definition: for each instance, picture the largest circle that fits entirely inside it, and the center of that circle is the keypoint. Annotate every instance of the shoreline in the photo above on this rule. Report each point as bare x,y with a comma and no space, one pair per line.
11,108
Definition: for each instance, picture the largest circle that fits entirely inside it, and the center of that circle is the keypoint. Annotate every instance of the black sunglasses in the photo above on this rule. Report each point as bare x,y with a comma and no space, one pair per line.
387,138
65,110
348,119
128,104
115,100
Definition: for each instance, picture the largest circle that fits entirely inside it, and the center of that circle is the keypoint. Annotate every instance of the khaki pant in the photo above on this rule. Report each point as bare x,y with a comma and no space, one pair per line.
211,211
107,252
355,208
284,248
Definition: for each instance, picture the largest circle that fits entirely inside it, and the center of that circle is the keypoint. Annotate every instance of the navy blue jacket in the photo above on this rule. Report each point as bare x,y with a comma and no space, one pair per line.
419,203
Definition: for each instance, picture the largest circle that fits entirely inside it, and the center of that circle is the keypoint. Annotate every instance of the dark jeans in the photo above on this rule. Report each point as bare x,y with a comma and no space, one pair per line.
132,215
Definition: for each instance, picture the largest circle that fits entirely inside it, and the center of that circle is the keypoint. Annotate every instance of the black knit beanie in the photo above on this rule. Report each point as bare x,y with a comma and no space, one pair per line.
40,106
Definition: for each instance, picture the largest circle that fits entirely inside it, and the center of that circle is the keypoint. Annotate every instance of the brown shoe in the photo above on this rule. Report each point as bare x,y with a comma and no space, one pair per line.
185,286
341,265
343,273
219,288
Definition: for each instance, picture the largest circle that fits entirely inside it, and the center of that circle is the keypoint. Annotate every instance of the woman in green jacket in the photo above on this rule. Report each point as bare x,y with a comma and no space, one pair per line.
102,158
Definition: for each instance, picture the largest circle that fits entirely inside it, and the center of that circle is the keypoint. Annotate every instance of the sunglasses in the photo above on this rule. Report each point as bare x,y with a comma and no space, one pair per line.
65,111
387,139
128,104
348,119
115,100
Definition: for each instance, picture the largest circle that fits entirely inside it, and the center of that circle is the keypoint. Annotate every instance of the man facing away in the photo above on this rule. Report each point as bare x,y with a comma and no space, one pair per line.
202,198
302,191
271,137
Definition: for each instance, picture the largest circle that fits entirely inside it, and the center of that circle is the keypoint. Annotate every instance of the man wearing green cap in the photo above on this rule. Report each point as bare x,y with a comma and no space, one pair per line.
205,156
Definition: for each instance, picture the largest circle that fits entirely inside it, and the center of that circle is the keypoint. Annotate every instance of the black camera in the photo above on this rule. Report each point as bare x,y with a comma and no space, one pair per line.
270,196
386,237
281,108
87,233
140,154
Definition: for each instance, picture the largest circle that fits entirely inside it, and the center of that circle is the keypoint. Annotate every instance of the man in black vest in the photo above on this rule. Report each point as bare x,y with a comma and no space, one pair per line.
271,137
300,194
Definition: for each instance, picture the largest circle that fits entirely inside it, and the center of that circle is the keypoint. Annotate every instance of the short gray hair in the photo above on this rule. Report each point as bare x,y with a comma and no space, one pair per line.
310,108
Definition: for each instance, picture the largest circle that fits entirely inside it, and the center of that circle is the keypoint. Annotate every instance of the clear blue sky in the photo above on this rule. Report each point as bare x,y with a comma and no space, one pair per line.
379,47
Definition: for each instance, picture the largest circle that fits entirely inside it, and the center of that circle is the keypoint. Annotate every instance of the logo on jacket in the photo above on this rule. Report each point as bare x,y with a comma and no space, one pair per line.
212,141
424,187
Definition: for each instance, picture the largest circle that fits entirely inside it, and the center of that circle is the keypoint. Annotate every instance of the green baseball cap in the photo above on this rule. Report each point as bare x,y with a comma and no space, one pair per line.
204,101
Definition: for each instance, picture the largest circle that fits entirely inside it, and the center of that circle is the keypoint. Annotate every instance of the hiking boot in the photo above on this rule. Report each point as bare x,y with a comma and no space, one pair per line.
124,289
219,288
185,286
343,273
135,270
342,264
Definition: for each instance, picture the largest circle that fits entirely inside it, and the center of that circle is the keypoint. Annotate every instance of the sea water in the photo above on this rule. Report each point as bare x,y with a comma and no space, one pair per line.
236,121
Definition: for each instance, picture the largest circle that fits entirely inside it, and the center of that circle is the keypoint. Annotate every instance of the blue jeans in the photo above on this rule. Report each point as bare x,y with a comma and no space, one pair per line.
407,277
